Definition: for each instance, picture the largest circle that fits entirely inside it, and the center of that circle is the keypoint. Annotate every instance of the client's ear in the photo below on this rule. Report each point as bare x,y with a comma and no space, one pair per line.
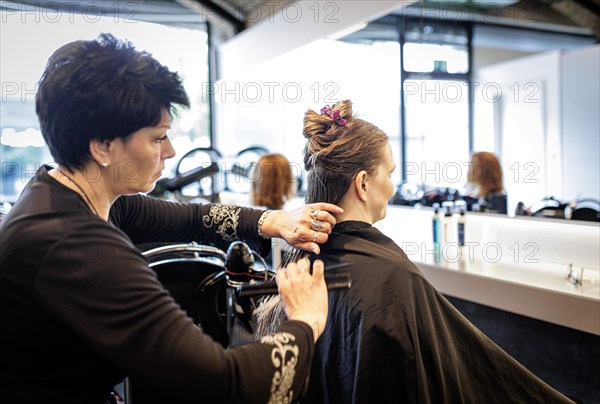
361,186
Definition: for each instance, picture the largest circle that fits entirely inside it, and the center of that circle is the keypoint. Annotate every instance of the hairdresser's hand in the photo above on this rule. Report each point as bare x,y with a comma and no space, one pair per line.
304,296
304,227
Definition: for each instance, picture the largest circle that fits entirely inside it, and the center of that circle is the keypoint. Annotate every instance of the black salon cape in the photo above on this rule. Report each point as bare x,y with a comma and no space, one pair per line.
392,338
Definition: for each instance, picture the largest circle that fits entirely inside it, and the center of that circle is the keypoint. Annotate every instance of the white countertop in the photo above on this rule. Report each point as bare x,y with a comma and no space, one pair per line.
537,294
524,271
545,276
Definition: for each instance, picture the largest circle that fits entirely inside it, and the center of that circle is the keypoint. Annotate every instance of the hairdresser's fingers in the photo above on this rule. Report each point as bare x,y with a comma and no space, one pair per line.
304,296
309,246
323,212
318,271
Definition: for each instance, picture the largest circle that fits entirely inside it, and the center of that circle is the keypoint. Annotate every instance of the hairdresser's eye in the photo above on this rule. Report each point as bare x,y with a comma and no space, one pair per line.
162,139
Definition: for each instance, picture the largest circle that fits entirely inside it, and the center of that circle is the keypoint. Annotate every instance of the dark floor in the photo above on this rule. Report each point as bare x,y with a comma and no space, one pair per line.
566,359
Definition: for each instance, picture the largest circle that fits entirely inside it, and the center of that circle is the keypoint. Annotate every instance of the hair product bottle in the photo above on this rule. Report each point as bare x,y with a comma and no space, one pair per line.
449,223
460,228
437,223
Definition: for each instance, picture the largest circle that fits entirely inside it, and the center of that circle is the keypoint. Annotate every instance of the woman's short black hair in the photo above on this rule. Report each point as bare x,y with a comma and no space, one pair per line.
100,90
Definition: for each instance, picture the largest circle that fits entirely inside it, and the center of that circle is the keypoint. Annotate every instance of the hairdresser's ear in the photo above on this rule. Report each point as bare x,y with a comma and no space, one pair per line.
361,186
100,151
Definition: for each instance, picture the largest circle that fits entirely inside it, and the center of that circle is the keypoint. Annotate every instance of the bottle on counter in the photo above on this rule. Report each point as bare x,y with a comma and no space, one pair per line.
437,221
460,228
449,223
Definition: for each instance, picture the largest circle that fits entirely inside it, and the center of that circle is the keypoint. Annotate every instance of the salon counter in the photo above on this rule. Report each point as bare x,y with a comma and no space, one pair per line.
512,264
546,296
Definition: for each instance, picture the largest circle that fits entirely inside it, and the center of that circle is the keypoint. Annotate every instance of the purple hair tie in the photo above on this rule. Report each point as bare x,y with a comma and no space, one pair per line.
335,115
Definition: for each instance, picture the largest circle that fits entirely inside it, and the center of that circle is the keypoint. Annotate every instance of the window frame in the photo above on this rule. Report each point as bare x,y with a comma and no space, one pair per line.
401,26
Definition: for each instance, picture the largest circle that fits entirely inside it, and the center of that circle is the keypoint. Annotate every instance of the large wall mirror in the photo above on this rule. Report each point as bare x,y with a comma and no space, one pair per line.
445,79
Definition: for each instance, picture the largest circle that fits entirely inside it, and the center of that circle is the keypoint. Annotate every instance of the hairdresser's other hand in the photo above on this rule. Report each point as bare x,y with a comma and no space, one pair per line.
304,296
304,227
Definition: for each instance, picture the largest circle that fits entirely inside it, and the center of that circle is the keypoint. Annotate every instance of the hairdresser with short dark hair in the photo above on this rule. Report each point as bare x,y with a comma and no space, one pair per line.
80,308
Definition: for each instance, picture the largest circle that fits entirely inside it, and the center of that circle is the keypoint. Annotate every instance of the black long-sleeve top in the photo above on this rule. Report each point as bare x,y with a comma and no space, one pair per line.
80,308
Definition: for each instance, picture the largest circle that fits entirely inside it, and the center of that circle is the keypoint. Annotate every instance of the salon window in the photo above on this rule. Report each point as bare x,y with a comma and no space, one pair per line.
435,71
41,31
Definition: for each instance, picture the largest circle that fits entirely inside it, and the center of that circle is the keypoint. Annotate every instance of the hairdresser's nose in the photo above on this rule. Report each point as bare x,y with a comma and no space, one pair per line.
167,150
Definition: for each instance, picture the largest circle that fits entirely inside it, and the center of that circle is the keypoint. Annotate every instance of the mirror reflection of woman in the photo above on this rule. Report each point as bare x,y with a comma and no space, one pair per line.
485,186
392,337
81,307
272,181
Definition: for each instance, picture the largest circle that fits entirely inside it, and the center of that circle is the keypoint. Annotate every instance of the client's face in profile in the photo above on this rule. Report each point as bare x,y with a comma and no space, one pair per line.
381,187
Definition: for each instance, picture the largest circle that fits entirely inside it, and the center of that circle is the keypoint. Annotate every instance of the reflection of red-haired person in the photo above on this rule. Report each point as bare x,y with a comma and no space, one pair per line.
272,183
272,186
485,182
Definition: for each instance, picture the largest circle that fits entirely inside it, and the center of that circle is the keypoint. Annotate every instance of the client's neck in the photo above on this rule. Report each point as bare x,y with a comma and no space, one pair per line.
353,210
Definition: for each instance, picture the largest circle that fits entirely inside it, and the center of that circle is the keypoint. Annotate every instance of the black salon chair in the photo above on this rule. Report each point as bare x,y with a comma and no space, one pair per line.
194,275
549,207
202,280
238,176
587,209
198,168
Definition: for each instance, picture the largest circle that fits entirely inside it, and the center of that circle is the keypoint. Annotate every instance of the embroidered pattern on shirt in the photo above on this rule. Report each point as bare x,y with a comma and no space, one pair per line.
226,217
285,358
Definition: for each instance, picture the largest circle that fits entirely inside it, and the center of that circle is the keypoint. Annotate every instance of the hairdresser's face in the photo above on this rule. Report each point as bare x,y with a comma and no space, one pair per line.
137,161
381,188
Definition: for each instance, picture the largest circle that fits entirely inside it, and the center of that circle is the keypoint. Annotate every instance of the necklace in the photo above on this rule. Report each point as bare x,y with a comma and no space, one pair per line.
82,191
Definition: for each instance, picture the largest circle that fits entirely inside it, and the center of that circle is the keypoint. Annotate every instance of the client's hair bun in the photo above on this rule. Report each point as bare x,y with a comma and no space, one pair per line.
345,108
321,129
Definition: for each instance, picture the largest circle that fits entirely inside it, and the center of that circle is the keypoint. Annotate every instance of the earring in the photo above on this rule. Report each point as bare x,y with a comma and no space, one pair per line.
104,165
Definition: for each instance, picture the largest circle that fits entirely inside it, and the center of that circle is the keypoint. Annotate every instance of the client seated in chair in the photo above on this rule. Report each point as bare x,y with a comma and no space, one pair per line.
392,337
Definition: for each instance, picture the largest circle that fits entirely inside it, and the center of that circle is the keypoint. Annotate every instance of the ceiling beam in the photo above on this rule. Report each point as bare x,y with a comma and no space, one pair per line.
211,7
297,24
591,5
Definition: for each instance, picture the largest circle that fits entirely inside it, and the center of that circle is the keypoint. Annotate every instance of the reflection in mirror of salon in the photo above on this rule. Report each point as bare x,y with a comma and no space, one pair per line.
512,80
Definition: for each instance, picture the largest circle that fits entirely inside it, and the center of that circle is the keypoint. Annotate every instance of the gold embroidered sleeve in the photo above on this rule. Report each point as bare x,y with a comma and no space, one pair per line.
284,357
226,218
